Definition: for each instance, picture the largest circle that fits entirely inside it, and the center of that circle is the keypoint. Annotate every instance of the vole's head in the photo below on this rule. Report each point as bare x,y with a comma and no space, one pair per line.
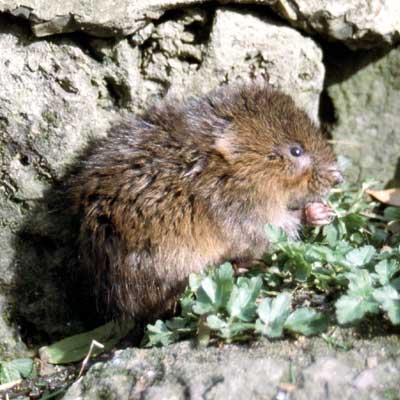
274,145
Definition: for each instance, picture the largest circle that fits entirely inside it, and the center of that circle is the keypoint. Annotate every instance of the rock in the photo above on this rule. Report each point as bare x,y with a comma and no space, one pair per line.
365,94
240,44
357,23
11,343
105,19
53,98
262,370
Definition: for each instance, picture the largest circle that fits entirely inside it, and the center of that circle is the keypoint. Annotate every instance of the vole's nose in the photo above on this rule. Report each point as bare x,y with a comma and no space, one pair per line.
336,176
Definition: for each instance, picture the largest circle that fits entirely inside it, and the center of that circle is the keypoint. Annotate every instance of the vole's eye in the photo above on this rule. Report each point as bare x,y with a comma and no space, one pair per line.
296,151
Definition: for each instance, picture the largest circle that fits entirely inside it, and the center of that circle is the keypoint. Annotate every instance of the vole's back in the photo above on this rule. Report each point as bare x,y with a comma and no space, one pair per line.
144,226
186,186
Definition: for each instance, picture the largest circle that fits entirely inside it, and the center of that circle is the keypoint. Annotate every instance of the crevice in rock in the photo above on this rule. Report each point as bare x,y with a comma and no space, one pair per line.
89,45
28,155
7,19
326,112
341,63
118,91
262,11
202,30
215,380
395,181
185,387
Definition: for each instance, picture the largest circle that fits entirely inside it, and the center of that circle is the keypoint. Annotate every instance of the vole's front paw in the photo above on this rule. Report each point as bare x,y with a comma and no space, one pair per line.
318,214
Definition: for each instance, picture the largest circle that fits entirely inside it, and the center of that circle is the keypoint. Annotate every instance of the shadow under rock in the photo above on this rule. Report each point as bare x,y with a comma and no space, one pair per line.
341,63
50,298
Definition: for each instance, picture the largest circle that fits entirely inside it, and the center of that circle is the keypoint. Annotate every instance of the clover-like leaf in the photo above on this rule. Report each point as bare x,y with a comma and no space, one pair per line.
361,256
241,303
352,308
386,270
389,299
214,290
361,282
216,323
306,321
331,234
159,335
273,314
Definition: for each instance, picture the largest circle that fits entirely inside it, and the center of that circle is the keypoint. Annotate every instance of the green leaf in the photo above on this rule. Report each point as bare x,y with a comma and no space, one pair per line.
214,291
395,283
186,305
195,281
224,279
297,263
228,330
331,234
357,238
301,269
159,334
391,213
273,314
75,348
389,299
361,256
386,270
274,234
206,297
241,303
8,374
351,308
306,321
236,330
215,323
16,369
24,366
179,324
361,282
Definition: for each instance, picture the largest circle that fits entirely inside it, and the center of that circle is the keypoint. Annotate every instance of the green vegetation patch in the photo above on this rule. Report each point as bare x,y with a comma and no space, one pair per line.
342,273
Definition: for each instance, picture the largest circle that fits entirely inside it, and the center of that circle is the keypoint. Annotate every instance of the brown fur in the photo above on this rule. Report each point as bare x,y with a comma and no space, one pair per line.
190,185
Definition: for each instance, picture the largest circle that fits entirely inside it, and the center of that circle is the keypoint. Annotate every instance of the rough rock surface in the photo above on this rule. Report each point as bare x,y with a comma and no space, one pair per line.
240,44
100,18
53,97
307,369
58,92
365,95
357,23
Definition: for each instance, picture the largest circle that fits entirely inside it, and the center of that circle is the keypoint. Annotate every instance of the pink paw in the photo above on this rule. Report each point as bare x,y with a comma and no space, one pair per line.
318,214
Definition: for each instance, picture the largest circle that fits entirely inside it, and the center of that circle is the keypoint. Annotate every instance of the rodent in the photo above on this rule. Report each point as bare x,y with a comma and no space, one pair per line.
192,184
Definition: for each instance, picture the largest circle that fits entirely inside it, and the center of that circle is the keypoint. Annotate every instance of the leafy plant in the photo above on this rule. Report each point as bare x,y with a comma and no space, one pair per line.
221,306
353,264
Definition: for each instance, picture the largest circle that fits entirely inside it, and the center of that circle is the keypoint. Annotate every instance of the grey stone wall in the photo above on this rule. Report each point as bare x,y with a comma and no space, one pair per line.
69,69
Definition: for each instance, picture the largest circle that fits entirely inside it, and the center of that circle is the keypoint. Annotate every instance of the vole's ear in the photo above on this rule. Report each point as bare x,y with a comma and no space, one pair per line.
224,142
226,147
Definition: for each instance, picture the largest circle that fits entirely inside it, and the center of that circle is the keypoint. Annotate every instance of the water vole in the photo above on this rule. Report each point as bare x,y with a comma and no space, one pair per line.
193,184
